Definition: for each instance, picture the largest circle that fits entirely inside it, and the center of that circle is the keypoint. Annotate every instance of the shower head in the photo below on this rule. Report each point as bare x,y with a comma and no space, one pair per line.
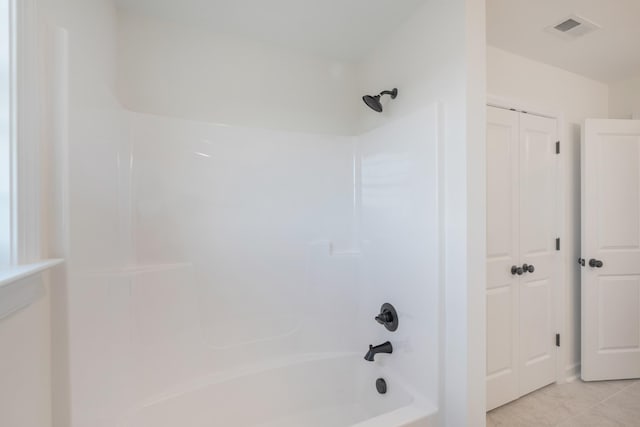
373,102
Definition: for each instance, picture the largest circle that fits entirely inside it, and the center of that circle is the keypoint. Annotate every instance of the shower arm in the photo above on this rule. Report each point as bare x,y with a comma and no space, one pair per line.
393,93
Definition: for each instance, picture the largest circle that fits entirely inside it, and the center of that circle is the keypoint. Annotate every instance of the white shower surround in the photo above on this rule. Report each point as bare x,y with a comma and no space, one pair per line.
93,298
262,256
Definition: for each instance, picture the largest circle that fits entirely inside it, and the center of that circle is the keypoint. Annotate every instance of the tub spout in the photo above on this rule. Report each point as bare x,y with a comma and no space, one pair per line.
382,348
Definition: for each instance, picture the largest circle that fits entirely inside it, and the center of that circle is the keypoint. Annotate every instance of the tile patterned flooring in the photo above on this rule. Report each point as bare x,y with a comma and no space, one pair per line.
574,404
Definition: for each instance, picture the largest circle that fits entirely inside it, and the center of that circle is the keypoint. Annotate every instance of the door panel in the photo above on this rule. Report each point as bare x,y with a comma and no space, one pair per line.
611,234
618,193
538,136
537,351
502,253
502,345
619,313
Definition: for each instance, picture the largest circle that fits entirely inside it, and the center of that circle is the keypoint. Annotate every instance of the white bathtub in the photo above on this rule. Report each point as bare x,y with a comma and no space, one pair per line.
335,390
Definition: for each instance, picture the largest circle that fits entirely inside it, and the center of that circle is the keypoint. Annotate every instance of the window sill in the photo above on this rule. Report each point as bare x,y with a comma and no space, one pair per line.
17,293
17,272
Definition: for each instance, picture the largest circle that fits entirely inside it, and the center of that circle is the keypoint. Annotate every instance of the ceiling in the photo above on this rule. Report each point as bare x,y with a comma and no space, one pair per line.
340,29
609,54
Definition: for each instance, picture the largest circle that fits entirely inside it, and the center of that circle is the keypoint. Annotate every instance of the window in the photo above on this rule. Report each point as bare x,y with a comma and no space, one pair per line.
5,133
20,140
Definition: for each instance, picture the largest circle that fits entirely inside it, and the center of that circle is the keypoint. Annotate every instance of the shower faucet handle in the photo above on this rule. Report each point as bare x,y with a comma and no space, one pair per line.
388,317
384,317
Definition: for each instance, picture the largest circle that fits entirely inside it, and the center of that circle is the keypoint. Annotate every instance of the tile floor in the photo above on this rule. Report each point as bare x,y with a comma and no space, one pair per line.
574,404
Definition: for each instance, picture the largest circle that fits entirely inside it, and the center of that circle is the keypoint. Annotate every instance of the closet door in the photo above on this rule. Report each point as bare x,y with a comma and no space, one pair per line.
521,254
537,190
502,253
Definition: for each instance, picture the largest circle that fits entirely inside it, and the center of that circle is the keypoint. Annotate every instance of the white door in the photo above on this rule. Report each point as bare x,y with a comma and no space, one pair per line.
521,167
538,233
503,174
611,249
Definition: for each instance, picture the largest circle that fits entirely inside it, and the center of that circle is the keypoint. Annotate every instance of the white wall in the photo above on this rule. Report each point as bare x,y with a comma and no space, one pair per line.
180,71
438,57
624,99
546,89
25,365
476,195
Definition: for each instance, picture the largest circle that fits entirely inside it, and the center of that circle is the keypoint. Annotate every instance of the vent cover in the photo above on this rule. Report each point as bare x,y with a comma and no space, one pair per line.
567,25
572,27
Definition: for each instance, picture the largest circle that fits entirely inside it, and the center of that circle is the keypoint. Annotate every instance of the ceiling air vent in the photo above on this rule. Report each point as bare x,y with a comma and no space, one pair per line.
567,25
572,27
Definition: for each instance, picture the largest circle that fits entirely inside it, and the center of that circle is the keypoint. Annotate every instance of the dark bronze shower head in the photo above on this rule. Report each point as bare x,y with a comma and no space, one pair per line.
373,101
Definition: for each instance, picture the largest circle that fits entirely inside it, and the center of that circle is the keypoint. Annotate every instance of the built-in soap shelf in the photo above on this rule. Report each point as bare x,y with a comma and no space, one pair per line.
329,248
135,270
155,268
347,252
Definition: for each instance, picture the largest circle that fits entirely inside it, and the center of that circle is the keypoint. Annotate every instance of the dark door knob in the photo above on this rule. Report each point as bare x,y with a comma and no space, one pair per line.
517,270
595,263
528,268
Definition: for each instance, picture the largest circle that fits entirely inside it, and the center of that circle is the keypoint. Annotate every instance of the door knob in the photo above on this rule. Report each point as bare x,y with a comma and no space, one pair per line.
528,268
595,263
517,270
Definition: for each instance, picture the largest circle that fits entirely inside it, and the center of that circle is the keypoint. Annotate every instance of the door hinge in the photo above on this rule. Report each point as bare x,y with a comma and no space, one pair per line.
558,244
557,147
557,340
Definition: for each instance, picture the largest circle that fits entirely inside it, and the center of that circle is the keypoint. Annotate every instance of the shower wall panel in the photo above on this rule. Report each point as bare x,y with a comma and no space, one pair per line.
264,219
398,190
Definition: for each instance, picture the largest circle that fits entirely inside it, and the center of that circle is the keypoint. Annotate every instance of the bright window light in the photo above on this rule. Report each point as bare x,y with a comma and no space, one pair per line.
5,133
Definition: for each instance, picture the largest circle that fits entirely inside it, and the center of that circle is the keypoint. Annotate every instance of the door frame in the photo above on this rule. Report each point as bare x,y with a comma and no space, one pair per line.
560,294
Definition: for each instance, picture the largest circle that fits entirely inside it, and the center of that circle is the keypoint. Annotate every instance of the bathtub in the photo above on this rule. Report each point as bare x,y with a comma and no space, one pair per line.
313,390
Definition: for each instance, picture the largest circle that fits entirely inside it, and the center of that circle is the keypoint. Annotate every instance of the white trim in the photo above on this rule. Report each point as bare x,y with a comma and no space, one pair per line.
561,289
14,273
19,288
26,137
508,103
572,372
12,36
55,106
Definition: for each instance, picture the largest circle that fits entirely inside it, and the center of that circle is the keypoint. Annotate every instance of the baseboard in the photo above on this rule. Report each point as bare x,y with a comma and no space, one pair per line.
572,372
